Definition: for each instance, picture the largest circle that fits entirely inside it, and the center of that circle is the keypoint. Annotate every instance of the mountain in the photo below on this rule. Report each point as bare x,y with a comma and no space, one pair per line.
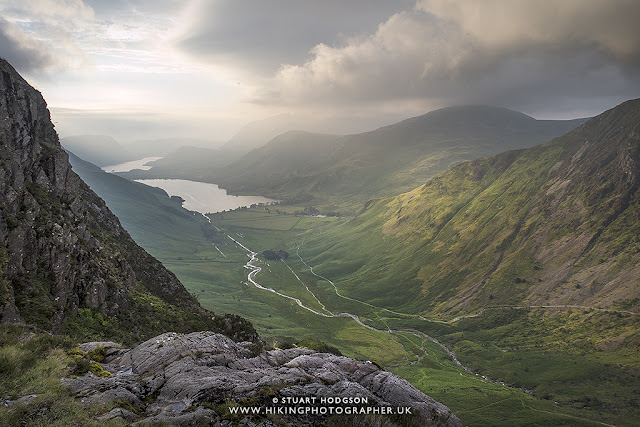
556,224
151,217
162,147
101,150
67,265
342,172
526,264
259,132
186,163
196,162
346,171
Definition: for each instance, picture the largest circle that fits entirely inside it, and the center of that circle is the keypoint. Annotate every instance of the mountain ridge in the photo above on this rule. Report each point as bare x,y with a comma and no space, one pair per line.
552,224
66,262
351,169
342,172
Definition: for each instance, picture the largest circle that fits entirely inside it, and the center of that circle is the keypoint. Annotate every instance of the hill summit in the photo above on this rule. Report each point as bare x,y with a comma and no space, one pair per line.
343,172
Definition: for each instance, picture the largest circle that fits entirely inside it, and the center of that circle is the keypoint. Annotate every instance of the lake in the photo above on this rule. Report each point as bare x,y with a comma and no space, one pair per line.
203,197
128,166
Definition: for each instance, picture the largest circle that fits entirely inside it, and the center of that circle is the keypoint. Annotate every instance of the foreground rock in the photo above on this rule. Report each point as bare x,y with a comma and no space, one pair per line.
205,378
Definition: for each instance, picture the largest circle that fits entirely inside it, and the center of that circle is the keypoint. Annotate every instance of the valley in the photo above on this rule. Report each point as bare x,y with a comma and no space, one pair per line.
460,327
406,348
339,173
320,214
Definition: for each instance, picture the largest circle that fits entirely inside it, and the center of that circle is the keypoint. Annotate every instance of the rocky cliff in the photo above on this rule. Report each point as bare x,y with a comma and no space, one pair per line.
206,379
66,263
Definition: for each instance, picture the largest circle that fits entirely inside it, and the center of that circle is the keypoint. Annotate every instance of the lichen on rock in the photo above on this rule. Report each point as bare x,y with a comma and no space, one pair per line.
173,375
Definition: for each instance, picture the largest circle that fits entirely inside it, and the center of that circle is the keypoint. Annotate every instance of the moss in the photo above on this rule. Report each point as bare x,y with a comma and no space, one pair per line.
148,316
225,413
34,300
118,403
97,370
97,354
150,398
11,222
33,362
85,362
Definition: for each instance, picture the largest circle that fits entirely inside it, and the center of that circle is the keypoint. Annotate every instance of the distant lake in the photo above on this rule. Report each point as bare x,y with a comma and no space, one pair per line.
203,197
128,166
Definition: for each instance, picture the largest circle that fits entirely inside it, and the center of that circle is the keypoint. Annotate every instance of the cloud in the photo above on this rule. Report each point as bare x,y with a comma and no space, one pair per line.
41,35
519,54
69,35
22,52
610,27
55,9
406,51
128,125
265,35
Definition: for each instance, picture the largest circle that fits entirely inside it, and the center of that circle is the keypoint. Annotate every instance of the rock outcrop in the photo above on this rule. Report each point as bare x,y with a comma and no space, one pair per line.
66,263
201,377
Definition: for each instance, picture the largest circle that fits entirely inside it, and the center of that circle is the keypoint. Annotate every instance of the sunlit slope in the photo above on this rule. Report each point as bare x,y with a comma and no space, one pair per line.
343,172
557,224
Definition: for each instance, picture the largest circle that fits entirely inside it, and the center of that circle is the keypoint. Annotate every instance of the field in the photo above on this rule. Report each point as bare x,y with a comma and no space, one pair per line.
564,383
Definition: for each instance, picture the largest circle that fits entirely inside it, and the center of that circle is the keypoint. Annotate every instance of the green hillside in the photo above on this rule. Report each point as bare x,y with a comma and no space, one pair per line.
153,219
343,172
66,263
525,264
554,224
187,162
577,357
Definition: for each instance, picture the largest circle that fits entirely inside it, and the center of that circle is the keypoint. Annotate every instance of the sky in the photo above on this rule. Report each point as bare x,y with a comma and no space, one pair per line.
145,69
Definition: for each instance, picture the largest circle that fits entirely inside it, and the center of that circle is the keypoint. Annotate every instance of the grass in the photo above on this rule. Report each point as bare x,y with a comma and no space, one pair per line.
480,403
33,363
467,242
220,284
380,270
254,219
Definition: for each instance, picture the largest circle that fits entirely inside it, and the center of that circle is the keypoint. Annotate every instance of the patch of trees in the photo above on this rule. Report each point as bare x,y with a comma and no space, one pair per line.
308,210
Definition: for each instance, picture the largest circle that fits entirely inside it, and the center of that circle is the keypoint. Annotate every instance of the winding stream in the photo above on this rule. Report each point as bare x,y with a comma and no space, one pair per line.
250,265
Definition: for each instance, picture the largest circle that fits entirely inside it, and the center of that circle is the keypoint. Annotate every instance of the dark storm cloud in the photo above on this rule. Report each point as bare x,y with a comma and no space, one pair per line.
519,54
24,54
263,35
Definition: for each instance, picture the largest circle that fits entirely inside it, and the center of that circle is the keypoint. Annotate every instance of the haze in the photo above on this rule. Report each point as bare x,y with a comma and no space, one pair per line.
203,69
